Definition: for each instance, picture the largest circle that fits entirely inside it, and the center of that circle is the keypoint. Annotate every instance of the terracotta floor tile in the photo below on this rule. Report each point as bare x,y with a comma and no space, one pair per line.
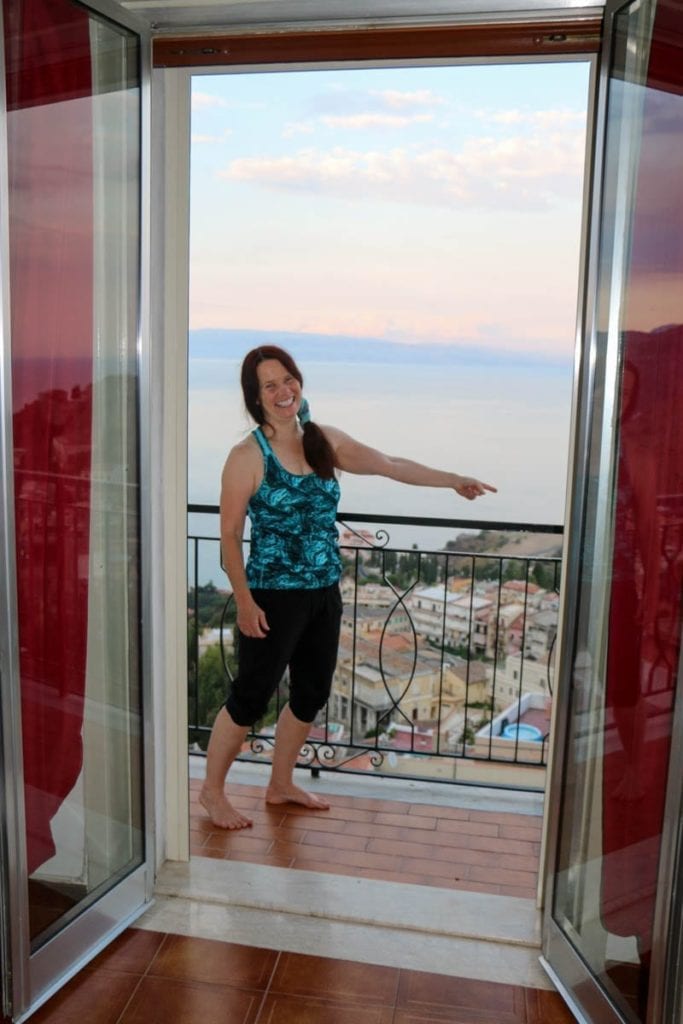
528,832
328,868
370,804
168,1001
297,974
431,810
453,871
207,961
525,892
351,828
237,839
471,829
497,859
132,952
360,859
545,1007
503,847
220,854
405,848
437,994
501,877
244,801
283,849
336,812
333,839
270,830
260,858
259,815
282,1009
454,1015
97,997
407,820
200,824
495,846
505,817
231,853
452,840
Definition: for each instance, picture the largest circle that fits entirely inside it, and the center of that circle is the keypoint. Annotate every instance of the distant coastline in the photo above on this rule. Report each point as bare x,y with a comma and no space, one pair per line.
223,343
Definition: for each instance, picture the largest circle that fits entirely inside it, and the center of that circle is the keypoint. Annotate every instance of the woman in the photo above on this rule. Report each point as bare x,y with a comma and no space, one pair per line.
287,597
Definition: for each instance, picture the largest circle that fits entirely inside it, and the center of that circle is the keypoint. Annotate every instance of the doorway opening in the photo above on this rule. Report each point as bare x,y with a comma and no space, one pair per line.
412,235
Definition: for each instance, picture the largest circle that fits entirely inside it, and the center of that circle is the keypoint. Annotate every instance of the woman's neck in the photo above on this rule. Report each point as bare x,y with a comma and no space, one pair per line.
282,433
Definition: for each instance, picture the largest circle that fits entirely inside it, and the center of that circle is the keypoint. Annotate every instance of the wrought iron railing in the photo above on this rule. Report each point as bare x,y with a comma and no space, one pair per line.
445,659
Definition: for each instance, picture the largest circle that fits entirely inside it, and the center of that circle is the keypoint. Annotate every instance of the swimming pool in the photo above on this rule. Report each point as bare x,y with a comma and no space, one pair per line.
522,731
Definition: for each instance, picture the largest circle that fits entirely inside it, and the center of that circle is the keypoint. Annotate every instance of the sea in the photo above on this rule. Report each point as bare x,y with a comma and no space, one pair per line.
503,417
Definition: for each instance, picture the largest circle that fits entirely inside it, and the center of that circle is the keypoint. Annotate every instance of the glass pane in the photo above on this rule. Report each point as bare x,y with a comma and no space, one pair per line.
73,130
626,659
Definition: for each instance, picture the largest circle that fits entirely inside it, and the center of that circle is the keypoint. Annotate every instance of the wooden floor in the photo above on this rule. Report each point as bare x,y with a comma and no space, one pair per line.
444,846
154,978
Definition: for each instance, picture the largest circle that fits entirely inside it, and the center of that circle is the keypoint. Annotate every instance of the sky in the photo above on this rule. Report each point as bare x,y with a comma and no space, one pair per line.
420,204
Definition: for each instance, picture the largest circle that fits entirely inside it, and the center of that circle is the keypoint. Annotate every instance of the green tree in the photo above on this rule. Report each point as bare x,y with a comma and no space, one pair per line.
546,575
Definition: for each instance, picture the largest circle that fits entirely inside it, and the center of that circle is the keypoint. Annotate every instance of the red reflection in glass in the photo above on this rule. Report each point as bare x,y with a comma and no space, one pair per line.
645,610
51,295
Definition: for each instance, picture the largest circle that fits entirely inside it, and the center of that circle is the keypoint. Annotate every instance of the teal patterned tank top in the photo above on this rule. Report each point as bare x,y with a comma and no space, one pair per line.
293,528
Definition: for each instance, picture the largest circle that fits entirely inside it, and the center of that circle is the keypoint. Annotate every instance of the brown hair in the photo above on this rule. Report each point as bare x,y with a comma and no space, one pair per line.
317,449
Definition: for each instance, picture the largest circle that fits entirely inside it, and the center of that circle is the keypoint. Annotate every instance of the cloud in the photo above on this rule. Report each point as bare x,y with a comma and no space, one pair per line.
545,120
292,128
363,121
518,172
397,100
369,120
206,101
211,139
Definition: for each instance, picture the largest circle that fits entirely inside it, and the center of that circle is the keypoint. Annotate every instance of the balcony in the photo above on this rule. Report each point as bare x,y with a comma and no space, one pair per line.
446,658
441,654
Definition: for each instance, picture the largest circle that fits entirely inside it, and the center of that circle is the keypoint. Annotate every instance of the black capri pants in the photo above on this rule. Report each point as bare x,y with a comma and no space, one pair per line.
304,635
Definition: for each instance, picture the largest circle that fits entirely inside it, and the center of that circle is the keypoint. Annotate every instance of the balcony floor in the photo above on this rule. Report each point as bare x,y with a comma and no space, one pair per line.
412,904
421,834
151,977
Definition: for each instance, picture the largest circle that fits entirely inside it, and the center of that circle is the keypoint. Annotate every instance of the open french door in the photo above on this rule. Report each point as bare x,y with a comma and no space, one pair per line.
613,899
75,851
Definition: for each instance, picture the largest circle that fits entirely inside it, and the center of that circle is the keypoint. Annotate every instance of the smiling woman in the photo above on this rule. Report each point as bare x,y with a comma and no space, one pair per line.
287,597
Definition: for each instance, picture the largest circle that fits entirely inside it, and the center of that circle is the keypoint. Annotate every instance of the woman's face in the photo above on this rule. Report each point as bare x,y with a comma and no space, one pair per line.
279,392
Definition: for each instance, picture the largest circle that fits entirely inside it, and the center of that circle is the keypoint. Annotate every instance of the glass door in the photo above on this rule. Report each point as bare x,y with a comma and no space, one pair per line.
72,681
611,906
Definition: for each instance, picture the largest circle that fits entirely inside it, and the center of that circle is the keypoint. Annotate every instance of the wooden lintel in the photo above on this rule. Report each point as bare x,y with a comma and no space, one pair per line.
568,36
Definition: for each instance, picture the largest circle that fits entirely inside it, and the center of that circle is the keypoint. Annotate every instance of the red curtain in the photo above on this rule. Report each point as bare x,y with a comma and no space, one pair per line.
645,610
51,298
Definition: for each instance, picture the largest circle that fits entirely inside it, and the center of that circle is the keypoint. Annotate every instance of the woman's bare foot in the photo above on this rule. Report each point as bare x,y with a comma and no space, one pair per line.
292,794
221,811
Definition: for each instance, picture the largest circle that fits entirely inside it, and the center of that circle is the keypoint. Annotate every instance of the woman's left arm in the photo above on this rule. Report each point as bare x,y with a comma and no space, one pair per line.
353,457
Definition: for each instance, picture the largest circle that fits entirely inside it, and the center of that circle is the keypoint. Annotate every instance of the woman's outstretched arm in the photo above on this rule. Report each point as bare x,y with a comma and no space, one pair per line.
353,457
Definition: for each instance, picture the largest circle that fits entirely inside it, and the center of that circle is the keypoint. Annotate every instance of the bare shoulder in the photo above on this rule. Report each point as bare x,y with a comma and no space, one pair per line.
334,435
243,461
245,450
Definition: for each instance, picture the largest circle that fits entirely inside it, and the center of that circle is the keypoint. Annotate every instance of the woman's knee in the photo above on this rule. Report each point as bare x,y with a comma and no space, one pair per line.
246,709
305,706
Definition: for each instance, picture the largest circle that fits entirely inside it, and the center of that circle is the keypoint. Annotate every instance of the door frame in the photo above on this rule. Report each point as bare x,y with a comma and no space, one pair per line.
31,979
172,89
